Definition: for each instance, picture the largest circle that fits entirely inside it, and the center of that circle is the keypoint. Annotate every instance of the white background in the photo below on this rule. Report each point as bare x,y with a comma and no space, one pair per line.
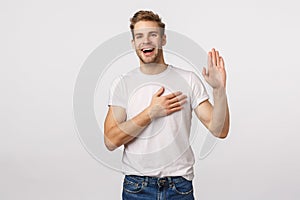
44,44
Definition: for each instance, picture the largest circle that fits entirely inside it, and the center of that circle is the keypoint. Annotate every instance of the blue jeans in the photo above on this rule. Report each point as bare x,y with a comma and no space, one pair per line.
153,188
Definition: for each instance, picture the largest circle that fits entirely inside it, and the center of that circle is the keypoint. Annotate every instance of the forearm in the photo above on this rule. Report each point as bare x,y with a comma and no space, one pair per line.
127,131
118,131
219,125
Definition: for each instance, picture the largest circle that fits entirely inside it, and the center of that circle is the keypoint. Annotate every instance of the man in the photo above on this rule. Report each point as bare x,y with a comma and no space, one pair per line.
150,114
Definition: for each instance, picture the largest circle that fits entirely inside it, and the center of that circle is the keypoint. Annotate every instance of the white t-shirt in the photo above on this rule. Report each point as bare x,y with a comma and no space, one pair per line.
162,148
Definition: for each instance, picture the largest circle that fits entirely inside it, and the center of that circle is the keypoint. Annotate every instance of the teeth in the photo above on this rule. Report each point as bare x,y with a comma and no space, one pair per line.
148,49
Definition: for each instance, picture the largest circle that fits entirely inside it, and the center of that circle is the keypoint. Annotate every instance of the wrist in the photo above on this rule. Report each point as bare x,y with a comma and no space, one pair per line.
220,91
149,114
143,119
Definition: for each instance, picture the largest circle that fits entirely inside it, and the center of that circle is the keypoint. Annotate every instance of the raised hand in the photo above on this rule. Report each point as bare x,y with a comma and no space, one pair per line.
165,105
215,76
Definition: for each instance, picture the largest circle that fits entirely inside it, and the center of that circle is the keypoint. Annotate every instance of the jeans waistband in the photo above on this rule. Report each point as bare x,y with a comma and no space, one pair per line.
168,180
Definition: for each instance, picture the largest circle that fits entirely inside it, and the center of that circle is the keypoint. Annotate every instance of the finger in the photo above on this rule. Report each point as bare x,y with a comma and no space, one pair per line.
209,60
172,110
214,62
222,65
177,104
172,95
204,71
160,92
205,75
217,58
176,99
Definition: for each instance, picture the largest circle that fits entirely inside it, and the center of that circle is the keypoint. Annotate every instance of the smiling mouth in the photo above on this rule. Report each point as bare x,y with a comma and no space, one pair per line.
147,50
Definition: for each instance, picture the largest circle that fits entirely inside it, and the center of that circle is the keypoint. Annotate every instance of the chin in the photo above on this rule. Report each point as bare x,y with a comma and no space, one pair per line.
149,60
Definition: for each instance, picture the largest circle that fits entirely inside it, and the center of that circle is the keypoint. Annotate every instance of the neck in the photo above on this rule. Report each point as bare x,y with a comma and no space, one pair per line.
153,68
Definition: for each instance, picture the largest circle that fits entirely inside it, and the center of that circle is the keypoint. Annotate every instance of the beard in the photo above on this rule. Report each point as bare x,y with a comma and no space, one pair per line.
149,59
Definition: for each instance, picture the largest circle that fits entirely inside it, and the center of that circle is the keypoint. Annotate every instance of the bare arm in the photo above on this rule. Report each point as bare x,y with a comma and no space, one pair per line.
118,131
215,118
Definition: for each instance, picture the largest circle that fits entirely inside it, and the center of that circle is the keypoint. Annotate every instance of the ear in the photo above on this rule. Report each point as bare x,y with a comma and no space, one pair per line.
164,40
133,43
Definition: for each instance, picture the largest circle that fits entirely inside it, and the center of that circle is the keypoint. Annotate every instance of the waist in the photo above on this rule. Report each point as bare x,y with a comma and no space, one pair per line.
162,181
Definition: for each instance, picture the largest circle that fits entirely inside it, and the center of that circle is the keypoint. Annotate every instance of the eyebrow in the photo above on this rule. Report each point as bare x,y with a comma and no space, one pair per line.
147,33
153,32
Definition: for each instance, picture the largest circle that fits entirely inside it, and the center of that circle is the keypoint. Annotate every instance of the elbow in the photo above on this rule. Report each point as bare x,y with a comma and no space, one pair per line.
109,144
221,134
110,147
224,133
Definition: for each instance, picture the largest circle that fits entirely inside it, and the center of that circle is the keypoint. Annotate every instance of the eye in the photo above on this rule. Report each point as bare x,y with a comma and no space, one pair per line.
154,34
138,37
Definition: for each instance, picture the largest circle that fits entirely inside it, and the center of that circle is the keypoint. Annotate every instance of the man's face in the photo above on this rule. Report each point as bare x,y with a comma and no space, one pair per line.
148,42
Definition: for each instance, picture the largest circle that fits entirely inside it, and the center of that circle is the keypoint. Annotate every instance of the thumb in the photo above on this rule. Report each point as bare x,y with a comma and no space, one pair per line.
204,73
159,92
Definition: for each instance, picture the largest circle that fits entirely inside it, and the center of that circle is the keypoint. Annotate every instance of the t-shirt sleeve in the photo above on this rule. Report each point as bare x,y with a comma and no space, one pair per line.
199,92
117,93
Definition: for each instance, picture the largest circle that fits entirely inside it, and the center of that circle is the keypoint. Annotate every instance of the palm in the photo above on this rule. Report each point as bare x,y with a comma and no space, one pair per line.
215,76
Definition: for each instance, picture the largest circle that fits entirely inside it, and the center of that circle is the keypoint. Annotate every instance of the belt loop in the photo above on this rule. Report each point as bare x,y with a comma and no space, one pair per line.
146,180
170,182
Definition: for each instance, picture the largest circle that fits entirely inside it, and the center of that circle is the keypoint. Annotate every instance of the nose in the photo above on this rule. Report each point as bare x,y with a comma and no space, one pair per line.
146,40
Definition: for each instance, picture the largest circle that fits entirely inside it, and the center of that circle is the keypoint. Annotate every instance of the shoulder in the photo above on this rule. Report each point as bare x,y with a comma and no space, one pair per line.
132,72
125,76
188,74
